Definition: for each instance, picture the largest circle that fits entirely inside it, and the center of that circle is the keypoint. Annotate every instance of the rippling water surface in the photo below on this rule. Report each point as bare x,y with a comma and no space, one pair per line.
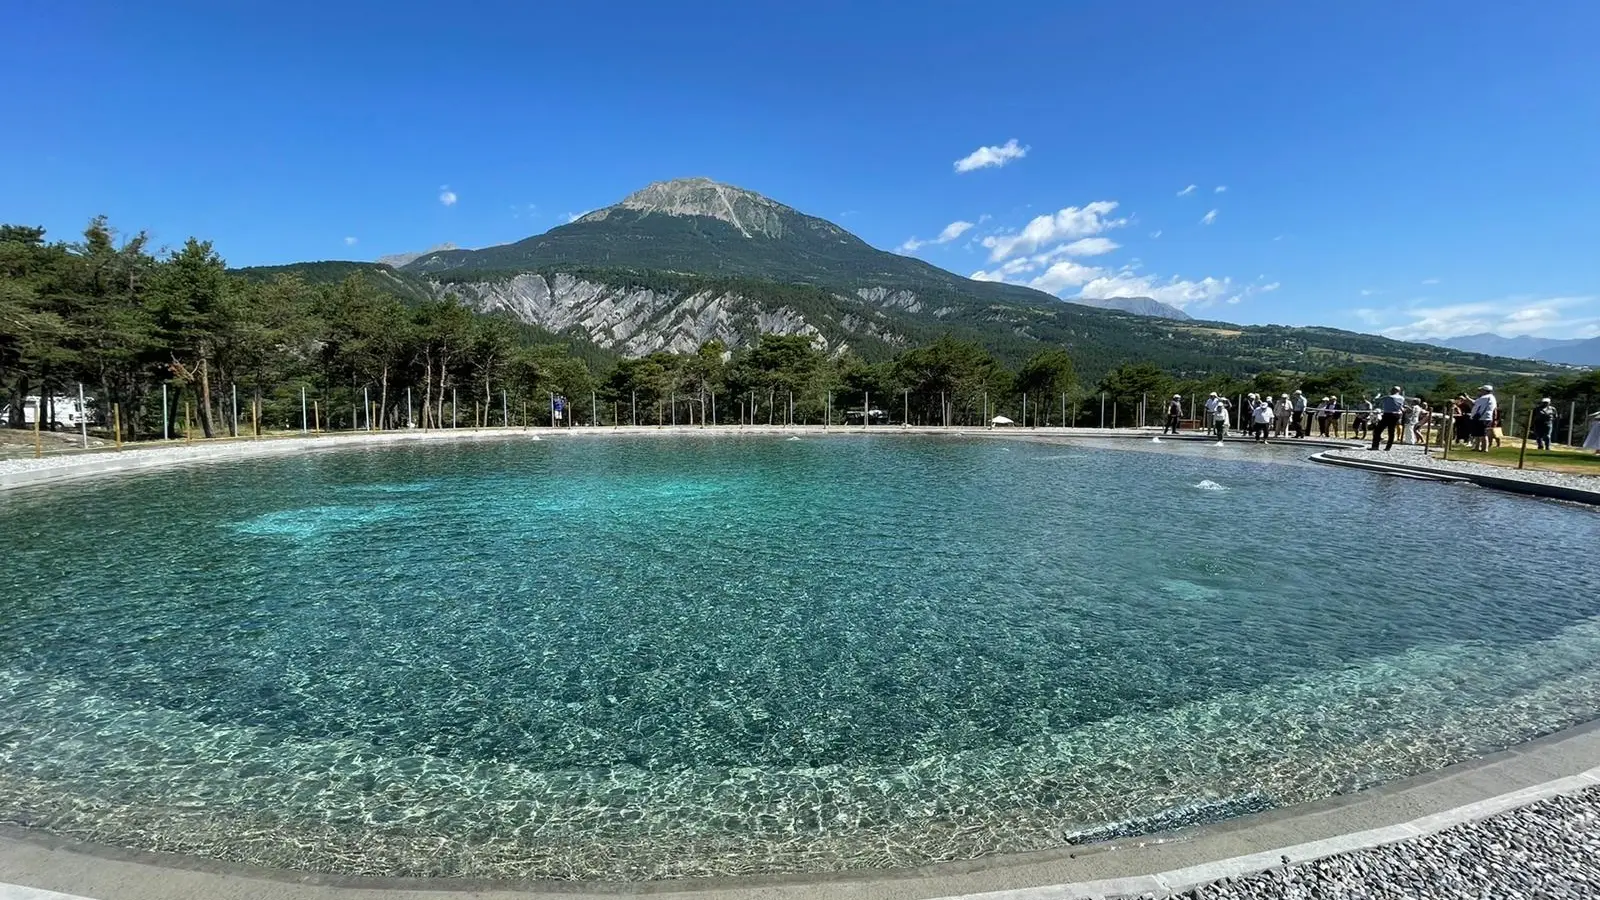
638,658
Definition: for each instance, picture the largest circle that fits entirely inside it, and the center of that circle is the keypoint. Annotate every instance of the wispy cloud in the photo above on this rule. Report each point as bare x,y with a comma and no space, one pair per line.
1156,233
1220,189
950,232
1430,281
351,242
987,157
1269,288
575,216
1509,317
1188,190
447,196
1208,218
1069,223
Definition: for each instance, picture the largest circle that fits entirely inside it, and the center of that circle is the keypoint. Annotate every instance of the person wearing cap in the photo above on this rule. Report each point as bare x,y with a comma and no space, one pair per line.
1280,416
1211,407
1297,411
1483,413
1174,414
1544,424
1390,409
1219,419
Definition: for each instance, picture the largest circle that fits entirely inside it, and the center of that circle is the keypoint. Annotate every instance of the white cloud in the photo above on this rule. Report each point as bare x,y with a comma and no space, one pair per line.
1208,218
984,218
1278,238
1065,274
1269,288
1508,317
1156,233
1176,291
984,157
952,231
1368,292
1068,224
1220,189
1188,190
575,216
350,242
447,196
1430,281
1093,246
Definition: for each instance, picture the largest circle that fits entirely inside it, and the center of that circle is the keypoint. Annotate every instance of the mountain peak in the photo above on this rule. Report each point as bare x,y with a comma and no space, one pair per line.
749,212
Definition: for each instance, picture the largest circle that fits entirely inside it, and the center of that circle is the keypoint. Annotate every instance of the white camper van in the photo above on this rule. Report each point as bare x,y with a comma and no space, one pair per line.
69,413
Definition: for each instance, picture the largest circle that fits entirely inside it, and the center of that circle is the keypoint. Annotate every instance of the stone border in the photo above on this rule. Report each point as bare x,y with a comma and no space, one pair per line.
1513,485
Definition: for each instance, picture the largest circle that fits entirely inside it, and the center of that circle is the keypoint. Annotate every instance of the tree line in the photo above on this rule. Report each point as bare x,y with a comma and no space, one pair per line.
133,325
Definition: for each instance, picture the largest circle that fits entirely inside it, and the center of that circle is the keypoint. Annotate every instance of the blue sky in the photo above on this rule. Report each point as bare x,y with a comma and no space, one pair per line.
1419,169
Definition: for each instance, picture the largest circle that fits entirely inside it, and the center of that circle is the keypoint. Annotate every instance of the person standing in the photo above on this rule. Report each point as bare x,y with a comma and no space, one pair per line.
1412,413
1263,420
1174,414
1483,413
1463,416
1544,424
1592,442
1297,412
1390,409
1363,413
1219,419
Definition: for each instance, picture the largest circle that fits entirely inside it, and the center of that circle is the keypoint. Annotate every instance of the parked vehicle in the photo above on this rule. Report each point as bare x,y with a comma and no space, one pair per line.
69,413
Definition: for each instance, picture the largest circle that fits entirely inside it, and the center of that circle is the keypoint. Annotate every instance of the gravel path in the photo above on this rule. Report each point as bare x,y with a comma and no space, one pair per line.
1549,850
1413,456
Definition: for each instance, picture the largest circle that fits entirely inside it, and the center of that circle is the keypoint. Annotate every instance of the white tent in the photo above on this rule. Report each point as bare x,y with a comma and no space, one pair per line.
1001,420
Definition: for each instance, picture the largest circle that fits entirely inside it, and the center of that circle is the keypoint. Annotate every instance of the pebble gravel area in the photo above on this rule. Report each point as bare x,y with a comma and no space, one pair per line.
1549,850
1413,456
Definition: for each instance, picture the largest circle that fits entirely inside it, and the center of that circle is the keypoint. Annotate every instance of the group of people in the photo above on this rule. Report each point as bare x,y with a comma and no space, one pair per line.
1263,416
1477,421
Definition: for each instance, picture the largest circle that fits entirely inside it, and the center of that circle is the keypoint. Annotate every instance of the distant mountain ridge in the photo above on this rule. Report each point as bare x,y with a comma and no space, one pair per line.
1568,351
681,262
1138,306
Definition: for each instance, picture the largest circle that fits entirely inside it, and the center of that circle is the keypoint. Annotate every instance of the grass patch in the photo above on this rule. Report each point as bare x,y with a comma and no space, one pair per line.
1569,461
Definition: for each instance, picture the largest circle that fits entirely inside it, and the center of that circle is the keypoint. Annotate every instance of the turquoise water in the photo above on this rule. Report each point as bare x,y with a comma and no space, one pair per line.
642,658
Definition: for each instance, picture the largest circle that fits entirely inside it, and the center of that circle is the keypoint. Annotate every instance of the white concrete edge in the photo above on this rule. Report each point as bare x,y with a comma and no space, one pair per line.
1176,880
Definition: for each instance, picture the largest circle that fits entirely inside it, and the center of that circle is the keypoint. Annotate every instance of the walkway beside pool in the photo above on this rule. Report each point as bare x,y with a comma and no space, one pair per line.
1509,794
1576,488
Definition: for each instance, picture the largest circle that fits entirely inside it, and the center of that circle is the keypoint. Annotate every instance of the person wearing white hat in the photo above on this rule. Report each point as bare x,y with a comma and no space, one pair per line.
1280,416
1174,414
1483,412
1544,424
1297,412
1211,406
